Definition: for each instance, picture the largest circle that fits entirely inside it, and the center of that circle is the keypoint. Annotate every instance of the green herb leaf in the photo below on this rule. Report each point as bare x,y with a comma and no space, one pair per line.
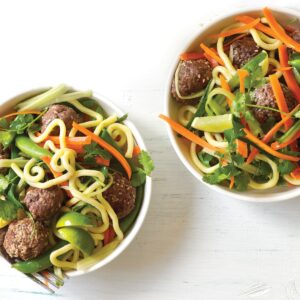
237,159
146,161
20,123
241,182
93,150
205,158
138,177
221,174
285,167
8,211
6,138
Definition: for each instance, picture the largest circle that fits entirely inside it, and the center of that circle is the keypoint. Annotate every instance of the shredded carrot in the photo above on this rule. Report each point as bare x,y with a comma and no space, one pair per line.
191,55
29,112
284,69
76,141
261,27
279,31
288,75
102,161
276,145
106,146
190,135
212,54
136,150
225,86
242,148
211,60
47,160
234,31
296,173
231,185
280,99
243,74
239,37
267,148
271,132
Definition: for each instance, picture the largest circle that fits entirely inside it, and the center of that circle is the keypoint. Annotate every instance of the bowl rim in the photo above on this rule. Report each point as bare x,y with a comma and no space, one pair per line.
112,108
286,195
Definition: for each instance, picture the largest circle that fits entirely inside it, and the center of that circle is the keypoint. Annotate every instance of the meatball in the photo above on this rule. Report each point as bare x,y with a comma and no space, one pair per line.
2,235
4,154
58,111
296,35
43,204
264,96
26,239
193,76
242,51
121,195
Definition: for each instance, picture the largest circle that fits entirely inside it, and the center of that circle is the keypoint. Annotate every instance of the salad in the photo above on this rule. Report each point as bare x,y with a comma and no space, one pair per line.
238,101
71,183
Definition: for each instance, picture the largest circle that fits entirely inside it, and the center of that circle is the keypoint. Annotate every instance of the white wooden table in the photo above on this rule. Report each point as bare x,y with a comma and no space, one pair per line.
195,244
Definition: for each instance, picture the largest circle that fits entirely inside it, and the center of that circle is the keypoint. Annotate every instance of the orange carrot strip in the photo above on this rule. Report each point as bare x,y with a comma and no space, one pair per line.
279,31
106,146
212,54
225,86
276,145
102,161
283,69
29,112
271,132
136,150
261,27
240,29
47,160
296,173
267,148
231,185
288,75
212,61
190,135
242,75
280,99
242,148
191,55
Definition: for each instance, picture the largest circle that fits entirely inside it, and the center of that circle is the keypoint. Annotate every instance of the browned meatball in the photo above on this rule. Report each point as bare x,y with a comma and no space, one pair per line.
58,111
4,154
2,235
193,77
26,239
121,196
242,51
264,96
43,204
296,35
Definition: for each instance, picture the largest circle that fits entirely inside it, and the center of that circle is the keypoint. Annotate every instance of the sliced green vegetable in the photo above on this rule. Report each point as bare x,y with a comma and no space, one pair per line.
74,219
213,123
201,106
28,147
290,133
6,138
79,238
39,263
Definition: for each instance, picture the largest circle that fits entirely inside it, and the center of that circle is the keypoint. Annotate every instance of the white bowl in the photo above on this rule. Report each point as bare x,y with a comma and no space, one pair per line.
270,195
110,108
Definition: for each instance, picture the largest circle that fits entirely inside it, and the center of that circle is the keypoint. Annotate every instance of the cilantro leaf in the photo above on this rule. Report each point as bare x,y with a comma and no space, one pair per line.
221,174
241,182
253,123
146,162
205,158
138,177
237,159
285,167
20,123
8,211
93,150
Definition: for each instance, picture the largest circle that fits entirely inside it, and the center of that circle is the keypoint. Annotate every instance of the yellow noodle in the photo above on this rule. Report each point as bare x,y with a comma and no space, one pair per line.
185,113
224,71
59,263
108,121
291,180
212,141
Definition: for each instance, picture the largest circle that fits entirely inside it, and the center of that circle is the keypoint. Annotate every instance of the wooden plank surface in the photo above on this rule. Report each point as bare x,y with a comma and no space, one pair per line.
195,244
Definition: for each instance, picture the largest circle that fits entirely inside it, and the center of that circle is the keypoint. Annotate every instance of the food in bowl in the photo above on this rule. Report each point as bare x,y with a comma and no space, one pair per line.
72,181
238,101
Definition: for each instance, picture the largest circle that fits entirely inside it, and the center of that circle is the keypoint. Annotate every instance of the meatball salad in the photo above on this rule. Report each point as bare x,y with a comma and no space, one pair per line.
238,104
71,181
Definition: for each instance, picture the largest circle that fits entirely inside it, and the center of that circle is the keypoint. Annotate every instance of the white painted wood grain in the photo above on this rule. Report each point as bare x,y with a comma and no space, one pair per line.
195,244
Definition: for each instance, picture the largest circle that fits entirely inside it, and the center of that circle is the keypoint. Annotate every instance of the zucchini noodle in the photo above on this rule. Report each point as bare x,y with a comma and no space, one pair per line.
276,64
185,113
214,92
220,70
6,163
198,163
119,130
291,180
209,138
54,258
263,41
274,178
